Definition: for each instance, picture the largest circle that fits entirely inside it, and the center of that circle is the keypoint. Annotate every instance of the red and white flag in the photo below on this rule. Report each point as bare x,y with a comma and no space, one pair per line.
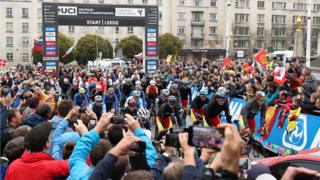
279,75
3,63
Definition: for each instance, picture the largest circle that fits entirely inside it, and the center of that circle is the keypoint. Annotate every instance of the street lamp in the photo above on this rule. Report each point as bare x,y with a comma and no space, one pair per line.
227,28
96,44
308,44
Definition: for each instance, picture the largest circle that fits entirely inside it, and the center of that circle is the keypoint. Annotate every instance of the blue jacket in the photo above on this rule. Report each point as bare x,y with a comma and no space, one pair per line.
111,101
151,153
80,100
34,120
271,97
79,169
59,137
142,97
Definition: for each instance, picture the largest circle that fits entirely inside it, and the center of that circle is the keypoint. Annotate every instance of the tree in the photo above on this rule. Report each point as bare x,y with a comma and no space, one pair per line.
87,46
131,46
169,45
64,43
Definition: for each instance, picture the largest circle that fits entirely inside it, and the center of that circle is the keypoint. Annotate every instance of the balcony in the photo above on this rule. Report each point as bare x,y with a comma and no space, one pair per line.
278,24
197,23
260,24
197,36
241,24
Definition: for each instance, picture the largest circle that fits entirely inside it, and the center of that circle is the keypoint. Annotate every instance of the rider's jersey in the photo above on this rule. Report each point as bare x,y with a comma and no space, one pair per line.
80,100
185,93
152,90
213,109
251,109
139,104
197,103
98,110
133,112
165,111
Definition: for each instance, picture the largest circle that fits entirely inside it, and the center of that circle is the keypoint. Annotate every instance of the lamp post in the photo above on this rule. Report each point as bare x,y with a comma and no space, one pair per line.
308,44
227,28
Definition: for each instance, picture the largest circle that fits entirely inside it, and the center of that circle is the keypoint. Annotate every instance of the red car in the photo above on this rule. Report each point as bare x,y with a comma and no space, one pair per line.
308,159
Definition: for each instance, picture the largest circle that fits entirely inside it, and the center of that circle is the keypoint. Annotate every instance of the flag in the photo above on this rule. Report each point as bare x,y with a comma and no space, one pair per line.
37,45
68,52
168,60
260,58
279,75
174,57
3,63
227,62
139,56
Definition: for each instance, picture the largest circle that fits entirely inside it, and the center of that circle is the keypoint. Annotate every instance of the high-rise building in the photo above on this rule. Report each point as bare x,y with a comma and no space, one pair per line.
200,24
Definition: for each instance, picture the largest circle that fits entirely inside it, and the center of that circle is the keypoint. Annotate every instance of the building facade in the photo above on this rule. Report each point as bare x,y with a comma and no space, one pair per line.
201,25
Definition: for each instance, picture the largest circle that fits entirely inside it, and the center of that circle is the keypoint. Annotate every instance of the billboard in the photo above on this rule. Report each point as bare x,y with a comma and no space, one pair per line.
70,14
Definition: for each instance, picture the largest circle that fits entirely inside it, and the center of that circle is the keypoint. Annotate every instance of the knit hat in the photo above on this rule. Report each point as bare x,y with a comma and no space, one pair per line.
36,139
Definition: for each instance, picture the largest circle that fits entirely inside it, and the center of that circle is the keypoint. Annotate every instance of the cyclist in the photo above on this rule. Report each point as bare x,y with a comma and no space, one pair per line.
97,106
143,118
186,95
174,91
131,108
218,104
81,99
169,114
111,101
98,91
142,96
136,96
251,109
152,92
65,87
163,98
197,104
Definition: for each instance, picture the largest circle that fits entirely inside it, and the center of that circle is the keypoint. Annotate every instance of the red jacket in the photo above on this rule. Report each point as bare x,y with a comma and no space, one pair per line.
36,166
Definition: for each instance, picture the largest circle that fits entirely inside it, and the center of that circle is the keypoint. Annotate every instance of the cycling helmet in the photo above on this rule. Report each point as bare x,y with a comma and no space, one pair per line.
101,78
185,82
174,85
143,113
138,83
166,92
110,90
98,98
82,91
222,89
99,87
260,94
221,94
136,93
203,92
172,100
152,83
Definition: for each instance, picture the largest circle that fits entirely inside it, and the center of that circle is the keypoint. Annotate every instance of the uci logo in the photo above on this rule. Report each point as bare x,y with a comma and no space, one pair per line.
297,139
67,11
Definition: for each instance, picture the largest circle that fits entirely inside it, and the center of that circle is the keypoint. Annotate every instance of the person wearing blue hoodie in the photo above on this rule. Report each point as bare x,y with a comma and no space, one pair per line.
42,114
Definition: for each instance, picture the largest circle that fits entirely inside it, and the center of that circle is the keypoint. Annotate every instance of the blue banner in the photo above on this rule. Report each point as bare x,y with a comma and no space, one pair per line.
305,136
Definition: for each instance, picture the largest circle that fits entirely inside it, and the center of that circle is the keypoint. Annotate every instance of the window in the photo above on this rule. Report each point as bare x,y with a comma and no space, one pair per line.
9,12
9,27
260,44
39,12
181,30
181,16
241,44
9,56
260,18
316,7
213,17
159,2
260,31
278,19
241,31
25,27
241,17
25,41
197,43
101,1
278,45
300,6
303,19
160,15
278,31
197,32
260,4
117,29
9,41
130,30
181,2
25,12
213,3
279,5
25,56
314,33
212,30
130,1
71,29
242,3
144,1
197,3
39,27
197,16
316,20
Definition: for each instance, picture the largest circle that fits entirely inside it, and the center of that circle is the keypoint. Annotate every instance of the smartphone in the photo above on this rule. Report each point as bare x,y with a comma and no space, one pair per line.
172,140
92,124
178,130
206,137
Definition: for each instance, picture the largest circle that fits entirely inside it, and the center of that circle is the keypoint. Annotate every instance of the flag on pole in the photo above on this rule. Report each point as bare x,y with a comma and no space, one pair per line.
37,45
279,75
227,62
3,63
68,52
261,60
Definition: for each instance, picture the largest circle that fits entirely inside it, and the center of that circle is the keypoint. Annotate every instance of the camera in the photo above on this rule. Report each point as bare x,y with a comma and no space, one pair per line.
117,119
138,147
172,140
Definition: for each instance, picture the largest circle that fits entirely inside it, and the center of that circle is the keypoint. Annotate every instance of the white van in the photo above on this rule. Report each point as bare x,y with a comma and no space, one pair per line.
107,64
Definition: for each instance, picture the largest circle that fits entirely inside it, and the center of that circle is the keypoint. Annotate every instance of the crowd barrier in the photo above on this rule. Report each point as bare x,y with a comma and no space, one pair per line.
305,136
